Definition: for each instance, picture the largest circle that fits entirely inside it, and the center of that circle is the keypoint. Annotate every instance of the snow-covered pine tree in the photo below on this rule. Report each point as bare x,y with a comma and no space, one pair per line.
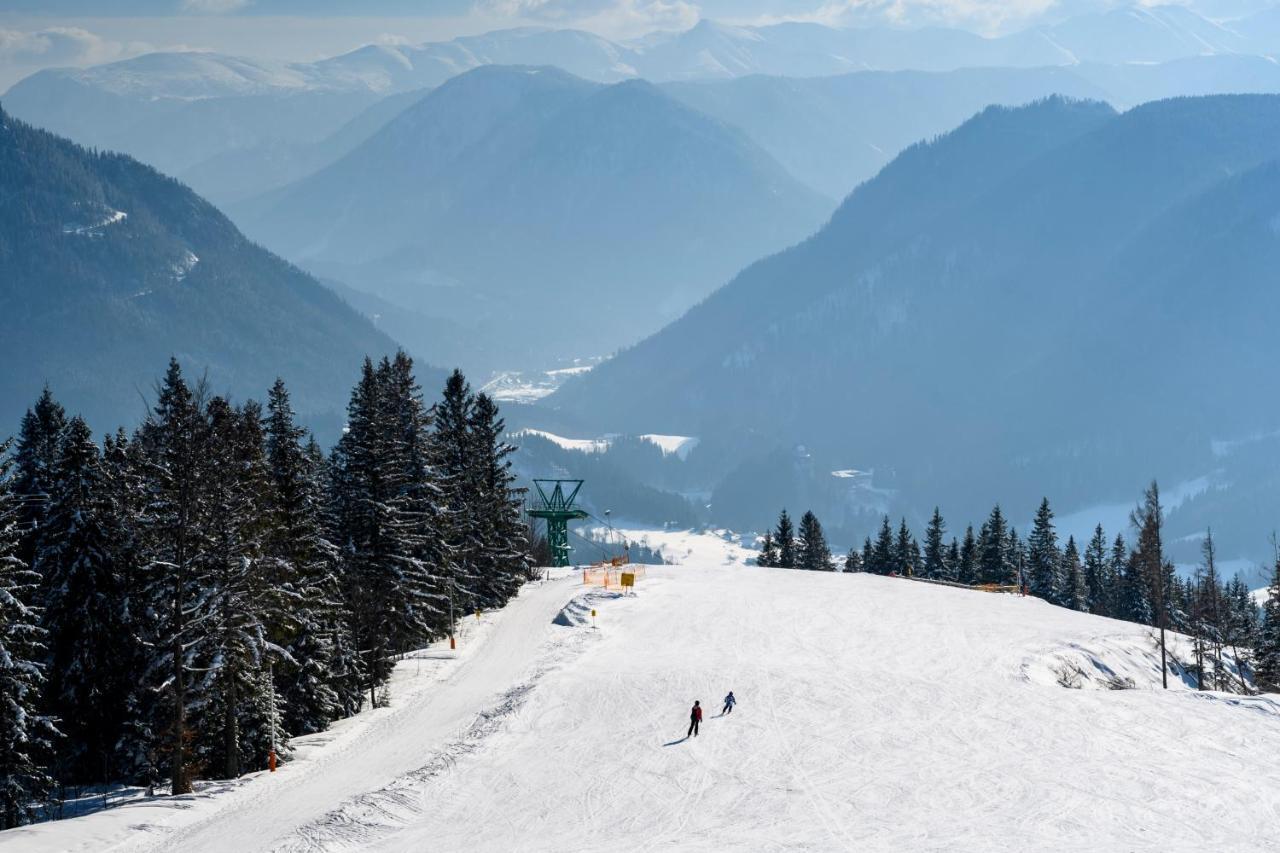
35,458
300,564
1242,629
505,562
1075,592
452,415
1044,561
815,554
935,550
1096,575
785,538
26,735
768,554
85,612
174,533
1267,655
1015,557
882,553
239,595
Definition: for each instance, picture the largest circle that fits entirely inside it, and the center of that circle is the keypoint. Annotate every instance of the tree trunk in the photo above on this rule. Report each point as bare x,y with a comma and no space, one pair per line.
231,732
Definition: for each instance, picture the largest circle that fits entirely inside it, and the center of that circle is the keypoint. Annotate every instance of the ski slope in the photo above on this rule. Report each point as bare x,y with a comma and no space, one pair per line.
874,714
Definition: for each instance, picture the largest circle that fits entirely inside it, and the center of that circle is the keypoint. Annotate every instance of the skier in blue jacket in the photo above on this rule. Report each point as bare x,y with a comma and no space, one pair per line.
729,702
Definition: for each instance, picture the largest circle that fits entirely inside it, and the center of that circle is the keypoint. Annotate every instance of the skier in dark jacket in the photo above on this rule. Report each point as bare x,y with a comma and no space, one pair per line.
695,717
729,702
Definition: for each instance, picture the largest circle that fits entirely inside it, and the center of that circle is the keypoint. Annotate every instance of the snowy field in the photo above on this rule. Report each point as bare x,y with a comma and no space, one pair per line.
874,714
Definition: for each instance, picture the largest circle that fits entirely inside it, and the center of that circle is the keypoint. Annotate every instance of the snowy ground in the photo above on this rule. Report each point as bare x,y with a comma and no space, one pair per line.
875,714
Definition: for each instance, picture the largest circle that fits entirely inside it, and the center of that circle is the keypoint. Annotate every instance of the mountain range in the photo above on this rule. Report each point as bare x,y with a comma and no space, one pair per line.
552,215
231,126
108,268
1057,299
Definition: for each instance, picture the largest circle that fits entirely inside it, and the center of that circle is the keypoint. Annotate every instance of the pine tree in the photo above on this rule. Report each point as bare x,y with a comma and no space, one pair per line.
883,552
175,531
785,540
299,564
967,564
1150,565
36,457
935,553
814,553
1096,576
906,552
1075,591
26,735
452,444
853,560
953,561
1131,600
505,561
1267,658
85,609
994,564
236,600
768,554
868,555
1044,561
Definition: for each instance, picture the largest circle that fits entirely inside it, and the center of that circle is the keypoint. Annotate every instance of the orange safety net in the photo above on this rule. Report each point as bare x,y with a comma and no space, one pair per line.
609,576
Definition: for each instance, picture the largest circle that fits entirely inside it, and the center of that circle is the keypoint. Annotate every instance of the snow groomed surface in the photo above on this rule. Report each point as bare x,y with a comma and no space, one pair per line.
874,714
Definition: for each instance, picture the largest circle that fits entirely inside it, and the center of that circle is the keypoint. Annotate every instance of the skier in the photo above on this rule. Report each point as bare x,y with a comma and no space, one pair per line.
729,702
695,717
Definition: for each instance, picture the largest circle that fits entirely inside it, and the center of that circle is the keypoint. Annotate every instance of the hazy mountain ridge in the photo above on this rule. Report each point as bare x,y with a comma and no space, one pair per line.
521,195
107,268
964,287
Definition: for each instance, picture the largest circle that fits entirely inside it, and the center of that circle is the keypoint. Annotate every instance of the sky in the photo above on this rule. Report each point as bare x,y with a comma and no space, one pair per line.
37,34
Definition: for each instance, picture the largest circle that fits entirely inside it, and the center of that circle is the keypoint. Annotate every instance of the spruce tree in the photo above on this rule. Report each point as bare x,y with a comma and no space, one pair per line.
883,552
299,563
35,458
1267,657
175,529
953,561
506,564
906,552
452,445
1044,562
967,564
785,539
26,735
1096,576
935,552
814,553
1075,593
994,564
853,560
768,554
85,615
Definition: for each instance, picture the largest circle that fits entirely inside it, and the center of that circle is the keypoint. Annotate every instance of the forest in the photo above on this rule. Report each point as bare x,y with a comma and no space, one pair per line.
177,602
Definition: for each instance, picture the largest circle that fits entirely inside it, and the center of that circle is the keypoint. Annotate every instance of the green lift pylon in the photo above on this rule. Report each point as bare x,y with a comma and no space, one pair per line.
558,510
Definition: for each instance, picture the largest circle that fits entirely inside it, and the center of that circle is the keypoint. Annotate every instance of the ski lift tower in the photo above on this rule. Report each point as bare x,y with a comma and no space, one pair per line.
558,510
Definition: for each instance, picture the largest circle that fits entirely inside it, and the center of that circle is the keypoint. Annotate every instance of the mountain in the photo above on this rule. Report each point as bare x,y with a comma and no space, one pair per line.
1051,300
565,217
107,268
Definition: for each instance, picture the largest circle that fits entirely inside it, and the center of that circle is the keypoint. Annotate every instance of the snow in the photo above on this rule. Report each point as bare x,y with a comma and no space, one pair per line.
583,445
679,445
1114,517
874,714
670,445
101,217
520,386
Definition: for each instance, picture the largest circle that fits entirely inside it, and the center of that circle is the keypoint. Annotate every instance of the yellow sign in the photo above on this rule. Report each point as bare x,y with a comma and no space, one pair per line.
628,579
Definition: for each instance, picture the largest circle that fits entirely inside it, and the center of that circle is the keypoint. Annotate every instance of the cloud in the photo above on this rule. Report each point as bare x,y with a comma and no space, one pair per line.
616,17
989,16
213,7
56,46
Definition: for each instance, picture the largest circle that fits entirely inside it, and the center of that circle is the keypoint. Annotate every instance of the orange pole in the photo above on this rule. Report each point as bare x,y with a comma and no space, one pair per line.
271,761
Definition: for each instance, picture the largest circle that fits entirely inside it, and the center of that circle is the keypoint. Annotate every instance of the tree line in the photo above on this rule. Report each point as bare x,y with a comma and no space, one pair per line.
180,599
1230,635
